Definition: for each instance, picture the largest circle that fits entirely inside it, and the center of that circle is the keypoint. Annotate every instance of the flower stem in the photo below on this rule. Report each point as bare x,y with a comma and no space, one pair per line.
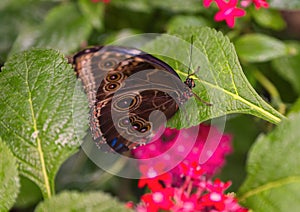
269,86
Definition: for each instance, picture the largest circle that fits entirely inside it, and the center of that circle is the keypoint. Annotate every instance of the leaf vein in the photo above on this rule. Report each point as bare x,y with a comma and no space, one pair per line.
15,113
210,69
241,99
17,135
39,145
58,108
271,185
227,64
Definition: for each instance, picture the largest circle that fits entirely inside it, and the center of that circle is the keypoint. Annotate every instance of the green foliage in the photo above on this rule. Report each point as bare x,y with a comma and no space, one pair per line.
94,13
296,107
184,20
18,16
75,201
28,187
9,178
68,34
285,5
188,6
260,48
273,180
36,114
44,114
288,66
220,81
271,19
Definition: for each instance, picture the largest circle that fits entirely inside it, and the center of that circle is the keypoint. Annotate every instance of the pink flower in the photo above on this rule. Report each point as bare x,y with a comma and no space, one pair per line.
219,146
205,195
260,3
152,178
228,12
218,186
245,3
187,187
207,3
192,169
231,204
129,205
228,9
156,183
159,200
157,146
215,200
187,203
221,202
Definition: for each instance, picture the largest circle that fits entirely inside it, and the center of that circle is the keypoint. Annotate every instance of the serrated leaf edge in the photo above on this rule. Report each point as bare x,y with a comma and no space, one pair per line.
267,114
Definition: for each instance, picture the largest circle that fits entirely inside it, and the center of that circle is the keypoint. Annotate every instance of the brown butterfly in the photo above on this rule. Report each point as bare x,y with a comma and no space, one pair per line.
126,87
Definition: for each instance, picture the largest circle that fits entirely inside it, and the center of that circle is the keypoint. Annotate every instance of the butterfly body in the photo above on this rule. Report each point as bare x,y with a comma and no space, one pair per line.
126,87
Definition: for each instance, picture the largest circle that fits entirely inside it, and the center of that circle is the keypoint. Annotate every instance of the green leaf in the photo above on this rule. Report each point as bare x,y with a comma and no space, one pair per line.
288,67
269,18
64,28
93,12
36,114
24,200
273,180
26,39
188,6
16,17
9,178
4,3
285,5
141,5
220,79
57,31
75,201
259,48
295,107
186,20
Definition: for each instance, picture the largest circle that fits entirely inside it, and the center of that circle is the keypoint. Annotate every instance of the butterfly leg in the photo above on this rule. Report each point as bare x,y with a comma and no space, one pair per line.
202,100
190,82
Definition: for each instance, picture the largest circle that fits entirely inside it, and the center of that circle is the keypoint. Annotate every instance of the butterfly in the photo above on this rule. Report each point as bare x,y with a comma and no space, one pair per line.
126,88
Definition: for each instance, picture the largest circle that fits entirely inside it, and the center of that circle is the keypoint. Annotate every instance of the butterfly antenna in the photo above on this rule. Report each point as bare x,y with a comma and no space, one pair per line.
191,55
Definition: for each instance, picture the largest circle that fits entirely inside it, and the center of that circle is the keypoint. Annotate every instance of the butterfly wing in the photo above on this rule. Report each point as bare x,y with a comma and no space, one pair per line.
125,86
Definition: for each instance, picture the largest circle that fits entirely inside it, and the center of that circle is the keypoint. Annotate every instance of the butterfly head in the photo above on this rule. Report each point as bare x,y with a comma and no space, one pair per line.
190,82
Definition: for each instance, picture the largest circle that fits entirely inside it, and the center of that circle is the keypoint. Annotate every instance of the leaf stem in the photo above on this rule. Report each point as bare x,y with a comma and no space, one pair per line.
268,85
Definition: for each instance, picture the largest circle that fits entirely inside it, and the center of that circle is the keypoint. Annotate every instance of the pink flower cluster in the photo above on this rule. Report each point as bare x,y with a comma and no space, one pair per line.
188,186
228,10
218,145
196,193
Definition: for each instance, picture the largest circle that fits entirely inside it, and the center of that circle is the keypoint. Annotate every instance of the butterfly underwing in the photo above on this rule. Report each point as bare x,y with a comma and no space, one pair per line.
126,89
